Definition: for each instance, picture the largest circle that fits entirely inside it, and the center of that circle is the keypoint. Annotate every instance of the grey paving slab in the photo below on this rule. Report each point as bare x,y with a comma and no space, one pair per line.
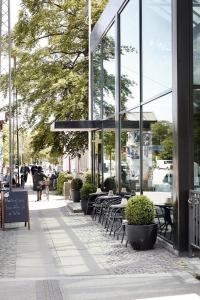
17,290
128,287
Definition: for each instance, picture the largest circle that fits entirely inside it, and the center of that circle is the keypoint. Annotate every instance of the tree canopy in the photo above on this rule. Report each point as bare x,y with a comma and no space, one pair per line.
162,135
51,76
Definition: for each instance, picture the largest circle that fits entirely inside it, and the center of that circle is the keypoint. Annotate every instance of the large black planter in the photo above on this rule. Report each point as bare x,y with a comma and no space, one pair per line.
84,204
142,237
75,195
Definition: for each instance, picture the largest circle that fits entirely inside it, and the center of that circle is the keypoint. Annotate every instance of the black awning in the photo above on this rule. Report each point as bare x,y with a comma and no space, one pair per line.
90,125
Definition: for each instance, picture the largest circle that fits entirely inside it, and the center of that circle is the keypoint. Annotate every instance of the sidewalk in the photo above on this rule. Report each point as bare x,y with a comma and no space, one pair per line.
68,256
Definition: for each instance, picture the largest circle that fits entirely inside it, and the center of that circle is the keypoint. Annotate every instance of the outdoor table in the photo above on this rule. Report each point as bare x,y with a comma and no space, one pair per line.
121,205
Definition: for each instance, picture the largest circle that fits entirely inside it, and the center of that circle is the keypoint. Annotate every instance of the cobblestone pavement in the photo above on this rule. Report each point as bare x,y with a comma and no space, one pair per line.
117,259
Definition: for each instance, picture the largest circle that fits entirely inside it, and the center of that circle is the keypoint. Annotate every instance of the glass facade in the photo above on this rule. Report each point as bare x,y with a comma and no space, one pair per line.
108,58
137,95
130,150
157,47
130,60
196,93
97,84
196,138
196,42
109,169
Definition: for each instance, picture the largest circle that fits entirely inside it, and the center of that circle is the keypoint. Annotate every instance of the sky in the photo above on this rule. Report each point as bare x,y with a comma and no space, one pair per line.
14,9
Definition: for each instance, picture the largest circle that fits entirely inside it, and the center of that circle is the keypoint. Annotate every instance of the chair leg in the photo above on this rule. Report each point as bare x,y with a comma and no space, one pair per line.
112,224
123,234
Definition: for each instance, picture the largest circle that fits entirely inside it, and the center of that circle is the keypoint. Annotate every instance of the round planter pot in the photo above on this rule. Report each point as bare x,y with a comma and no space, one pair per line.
142,237
75,195
84,204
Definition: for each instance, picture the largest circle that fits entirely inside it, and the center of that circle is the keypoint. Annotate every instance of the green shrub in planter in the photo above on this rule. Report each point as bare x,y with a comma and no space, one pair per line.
76,184
140,211
110,184
87,189
141,229
62,177
88,177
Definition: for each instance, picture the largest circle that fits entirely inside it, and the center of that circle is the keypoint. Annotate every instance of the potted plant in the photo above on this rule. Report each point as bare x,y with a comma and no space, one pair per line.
141,229
76,185
110,184
86,189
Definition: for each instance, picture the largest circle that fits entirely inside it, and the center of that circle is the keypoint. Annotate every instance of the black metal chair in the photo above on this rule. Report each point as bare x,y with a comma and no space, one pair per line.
164,220
91,201
106,209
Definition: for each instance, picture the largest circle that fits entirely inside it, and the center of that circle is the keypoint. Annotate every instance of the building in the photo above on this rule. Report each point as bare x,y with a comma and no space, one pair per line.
145,102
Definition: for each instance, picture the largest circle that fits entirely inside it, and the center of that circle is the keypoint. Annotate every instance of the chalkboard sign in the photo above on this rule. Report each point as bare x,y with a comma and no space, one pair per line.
15,207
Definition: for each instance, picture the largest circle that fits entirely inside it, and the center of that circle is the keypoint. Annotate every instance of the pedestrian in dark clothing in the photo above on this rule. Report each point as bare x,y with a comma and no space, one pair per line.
24,171
37,178
33,169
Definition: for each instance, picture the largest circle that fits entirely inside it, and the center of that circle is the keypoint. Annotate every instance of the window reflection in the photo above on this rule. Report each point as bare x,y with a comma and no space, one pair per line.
196,41
97,84
158,161
129,21
196,138
130,150
157,47
108,153
98,158
109,73
158,147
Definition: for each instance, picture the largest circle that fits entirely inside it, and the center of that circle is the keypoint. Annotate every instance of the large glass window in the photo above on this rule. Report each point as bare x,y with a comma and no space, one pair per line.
158,148
158,161
196,41
196,139
130,150
157,47
109,166
129,26
98,157
97,84
109,72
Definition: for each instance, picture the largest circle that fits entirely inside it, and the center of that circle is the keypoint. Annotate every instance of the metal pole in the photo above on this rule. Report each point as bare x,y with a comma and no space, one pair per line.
89,87
1,18
17,132
10,99
17,124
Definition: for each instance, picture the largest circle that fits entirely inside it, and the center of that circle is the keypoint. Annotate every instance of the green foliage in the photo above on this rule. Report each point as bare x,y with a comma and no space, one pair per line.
162,134
88,177
62,177
87,189
160,131
51,76
110,184
140,211
76,184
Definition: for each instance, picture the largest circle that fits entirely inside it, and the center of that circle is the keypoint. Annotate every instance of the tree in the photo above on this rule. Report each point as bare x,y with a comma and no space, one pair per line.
162,135
51,77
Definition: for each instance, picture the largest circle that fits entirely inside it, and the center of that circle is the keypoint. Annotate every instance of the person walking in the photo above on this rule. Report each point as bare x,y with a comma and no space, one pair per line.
24,171
37,178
